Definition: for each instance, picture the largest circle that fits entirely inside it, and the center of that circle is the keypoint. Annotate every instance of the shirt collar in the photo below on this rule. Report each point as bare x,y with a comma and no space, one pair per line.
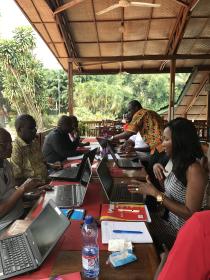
21,142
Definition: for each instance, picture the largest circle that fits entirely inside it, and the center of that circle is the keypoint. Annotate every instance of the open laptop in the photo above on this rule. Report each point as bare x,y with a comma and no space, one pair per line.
74,173
124,162
25,252
71,195
115,193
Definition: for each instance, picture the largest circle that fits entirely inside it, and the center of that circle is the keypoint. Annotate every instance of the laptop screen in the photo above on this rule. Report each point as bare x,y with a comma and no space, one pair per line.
47,228
105,176
87,172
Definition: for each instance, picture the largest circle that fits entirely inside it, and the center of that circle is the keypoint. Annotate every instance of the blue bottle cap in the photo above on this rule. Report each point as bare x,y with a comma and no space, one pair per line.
88,220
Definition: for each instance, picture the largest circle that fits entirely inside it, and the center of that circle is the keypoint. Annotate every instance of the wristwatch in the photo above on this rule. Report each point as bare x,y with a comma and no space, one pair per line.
160,197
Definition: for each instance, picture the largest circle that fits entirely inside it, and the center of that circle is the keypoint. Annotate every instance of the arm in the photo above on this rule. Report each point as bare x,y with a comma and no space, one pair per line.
196,184
17,163
123,135
8,204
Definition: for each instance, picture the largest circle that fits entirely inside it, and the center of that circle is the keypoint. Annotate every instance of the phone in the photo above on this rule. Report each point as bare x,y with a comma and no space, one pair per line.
73,214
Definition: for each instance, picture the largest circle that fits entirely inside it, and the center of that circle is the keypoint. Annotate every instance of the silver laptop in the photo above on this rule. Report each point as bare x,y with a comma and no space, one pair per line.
115,193
74,173
124,162
25,252
71,195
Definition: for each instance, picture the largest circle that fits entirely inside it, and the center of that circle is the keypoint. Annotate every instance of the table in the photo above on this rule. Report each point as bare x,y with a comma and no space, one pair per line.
66,256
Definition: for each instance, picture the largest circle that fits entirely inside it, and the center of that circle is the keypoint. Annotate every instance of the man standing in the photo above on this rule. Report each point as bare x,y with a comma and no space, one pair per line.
148,123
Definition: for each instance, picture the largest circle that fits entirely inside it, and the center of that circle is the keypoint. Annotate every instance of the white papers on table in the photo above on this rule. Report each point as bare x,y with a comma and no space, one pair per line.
75,158
107,228
110,157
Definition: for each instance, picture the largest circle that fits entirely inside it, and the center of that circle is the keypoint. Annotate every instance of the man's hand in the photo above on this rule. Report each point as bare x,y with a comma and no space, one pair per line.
56,165
30,184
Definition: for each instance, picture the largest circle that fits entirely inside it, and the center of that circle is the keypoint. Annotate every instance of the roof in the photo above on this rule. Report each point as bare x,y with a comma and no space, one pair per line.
131,39
192,102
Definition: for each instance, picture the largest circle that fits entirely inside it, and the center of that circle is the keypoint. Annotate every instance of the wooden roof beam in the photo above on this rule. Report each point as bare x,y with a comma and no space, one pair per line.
139,58
197,93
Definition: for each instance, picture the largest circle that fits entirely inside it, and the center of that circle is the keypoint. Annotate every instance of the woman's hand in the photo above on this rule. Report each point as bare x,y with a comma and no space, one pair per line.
143,188
159,170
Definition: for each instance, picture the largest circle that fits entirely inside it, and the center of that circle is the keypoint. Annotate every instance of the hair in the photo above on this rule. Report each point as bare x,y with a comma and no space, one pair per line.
186,147
135,103
3,133
22,119
64,120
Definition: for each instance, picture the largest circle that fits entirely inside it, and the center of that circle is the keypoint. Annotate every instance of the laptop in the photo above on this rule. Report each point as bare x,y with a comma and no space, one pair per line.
25,252
74,173
71,195
115,193
124,162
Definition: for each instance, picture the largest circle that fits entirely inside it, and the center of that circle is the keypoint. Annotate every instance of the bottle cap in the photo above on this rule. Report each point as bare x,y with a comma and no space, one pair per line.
88,220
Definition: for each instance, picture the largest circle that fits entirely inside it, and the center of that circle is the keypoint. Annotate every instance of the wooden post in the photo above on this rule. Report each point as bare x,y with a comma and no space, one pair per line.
70,88
172,90
208,108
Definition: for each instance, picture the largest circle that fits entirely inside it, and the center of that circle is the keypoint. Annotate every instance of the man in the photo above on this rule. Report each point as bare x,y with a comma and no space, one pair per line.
148,123
57,144
74,135
27,158
11,206
189,257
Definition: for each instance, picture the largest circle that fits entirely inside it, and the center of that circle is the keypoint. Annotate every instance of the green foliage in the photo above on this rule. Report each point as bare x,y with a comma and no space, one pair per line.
22,75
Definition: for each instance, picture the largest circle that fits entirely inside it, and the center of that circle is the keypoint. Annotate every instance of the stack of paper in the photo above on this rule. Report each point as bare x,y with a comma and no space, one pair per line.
135,232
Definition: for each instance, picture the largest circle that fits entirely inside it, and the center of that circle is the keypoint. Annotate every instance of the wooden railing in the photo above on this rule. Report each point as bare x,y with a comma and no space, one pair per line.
100,128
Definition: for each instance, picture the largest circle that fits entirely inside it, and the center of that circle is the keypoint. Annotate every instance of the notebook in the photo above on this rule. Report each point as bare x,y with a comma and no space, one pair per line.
115,193
72,194
74,173
25,252
124,162
107,228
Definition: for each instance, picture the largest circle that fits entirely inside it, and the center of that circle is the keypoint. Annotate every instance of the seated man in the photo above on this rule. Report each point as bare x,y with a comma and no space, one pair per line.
57,144
27,158
189,257
11,207
74,135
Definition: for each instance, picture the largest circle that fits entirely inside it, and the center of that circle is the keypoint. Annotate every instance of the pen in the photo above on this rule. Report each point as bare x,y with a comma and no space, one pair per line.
127,231
128,210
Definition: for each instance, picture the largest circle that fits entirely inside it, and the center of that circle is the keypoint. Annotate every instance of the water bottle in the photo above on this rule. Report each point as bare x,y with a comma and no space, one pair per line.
90,251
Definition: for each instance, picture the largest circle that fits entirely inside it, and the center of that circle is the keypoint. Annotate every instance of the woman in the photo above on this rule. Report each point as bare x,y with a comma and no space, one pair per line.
185,186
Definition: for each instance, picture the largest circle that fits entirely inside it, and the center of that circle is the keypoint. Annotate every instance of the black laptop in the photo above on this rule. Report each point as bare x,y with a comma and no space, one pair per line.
71,195
25,252
115,193
74,173
124,162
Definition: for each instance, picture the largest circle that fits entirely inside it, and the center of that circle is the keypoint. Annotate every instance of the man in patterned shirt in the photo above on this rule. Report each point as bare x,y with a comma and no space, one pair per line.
27,158
148,123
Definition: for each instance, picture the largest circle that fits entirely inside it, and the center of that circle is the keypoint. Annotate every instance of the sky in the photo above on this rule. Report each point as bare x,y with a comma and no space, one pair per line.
12,17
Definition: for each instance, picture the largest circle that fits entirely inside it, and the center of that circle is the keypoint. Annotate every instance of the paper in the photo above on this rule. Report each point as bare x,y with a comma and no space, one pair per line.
107,228
74,158
119,245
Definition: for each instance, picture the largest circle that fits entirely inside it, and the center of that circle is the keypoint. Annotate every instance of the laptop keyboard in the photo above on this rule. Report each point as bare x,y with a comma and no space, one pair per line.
121,193
15,255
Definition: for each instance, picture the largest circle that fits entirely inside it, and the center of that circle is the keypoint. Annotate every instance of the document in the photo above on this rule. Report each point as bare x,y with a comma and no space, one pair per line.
135,232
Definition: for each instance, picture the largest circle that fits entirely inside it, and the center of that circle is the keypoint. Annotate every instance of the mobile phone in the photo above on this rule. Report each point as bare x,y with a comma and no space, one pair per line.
78,214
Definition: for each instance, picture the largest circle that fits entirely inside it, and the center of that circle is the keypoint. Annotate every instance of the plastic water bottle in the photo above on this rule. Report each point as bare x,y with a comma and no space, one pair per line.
90,251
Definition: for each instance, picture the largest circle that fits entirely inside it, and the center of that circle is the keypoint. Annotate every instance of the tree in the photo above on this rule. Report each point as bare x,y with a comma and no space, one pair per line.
22,74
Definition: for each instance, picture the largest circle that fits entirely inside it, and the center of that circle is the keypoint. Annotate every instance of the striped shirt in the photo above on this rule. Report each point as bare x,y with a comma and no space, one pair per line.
175,190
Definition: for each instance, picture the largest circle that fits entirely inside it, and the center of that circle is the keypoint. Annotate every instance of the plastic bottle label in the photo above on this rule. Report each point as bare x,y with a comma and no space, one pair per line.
89,262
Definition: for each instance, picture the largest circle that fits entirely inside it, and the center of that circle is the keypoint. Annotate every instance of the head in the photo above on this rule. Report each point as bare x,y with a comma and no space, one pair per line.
181,143
5,144
75,121
133,107
25,126
66,124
